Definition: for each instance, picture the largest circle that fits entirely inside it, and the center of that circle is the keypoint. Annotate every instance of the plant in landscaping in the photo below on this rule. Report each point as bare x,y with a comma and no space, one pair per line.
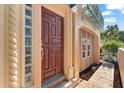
121,37
111,47
111,40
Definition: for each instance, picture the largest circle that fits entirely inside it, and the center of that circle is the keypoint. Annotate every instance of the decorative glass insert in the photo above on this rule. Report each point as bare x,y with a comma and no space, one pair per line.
28,12
84,44
27,31
28,21
28,45
88,44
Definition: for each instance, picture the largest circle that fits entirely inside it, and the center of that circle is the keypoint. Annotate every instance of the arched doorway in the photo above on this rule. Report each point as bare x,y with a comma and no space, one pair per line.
89,48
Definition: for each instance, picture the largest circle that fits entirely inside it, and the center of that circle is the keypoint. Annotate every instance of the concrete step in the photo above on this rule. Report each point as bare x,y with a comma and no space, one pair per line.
61,85
72,83
84,84
54,82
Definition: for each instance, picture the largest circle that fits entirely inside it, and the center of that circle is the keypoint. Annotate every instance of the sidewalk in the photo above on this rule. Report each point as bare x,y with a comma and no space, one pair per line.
102,78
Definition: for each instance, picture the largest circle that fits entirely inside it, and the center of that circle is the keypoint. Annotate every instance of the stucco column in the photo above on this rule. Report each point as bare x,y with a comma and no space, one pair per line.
70,70
78,21
12,46
97,48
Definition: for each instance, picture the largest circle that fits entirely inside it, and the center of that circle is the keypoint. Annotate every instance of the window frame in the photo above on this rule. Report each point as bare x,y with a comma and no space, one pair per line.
83,43
88,45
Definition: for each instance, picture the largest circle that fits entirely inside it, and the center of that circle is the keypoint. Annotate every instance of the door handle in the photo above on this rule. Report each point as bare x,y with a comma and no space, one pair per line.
42,50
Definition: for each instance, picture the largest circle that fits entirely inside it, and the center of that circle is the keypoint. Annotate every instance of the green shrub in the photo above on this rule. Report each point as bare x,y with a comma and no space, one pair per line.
110,47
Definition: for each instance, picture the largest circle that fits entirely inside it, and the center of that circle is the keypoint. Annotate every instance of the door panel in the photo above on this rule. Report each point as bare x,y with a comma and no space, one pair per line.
88,59
52,38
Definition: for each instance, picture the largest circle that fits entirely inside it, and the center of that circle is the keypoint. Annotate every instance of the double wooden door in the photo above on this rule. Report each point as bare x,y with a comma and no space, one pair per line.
52,39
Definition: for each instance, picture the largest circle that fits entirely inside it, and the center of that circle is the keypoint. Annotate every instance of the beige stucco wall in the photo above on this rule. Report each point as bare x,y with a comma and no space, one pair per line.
83,24
9,73
72,25
2,47
78,21
12,51
121,63
18,53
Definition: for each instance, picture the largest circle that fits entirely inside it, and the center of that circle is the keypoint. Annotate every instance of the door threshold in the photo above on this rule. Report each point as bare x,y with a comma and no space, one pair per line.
53,82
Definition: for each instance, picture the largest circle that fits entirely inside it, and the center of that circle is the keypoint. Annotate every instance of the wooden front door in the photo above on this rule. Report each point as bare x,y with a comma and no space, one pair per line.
52,39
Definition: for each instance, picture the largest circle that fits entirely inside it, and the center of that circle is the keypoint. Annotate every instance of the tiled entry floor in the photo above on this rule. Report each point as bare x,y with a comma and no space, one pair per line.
102,78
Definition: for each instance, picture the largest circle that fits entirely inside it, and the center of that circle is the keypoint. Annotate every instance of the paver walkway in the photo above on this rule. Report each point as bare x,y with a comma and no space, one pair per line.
102,78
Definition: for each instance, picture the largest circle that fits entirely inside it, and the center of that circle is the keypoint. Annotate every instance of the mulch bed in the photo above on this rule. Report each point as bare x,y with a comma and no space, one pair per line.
117,80
87,74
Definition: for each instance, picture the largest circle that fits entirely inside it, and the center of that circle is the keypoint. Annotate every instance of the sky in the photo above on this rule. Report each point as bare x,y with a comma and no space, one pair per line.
113,14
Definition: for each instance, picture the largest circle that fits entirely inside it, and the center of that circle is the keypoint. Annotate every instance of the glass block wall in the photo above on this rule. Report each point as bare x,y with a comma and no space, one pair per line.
28,45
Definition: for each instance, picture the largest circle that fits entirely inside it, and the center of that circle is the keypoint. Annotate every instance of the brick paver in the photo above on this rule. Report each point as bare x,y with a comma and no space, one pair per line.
102,78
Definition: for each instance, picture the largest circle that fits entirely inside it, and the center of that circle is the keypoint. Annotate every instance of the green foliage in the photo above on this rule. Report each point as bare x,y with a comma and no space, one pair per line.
121,36
111,41
103,36
110,33
110,48
112,45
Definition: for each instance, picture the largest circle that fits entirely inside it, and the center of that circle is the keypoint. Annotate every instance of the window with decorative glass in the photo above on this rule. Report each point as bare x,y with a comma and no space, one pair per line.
84,44
88,44
28,45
